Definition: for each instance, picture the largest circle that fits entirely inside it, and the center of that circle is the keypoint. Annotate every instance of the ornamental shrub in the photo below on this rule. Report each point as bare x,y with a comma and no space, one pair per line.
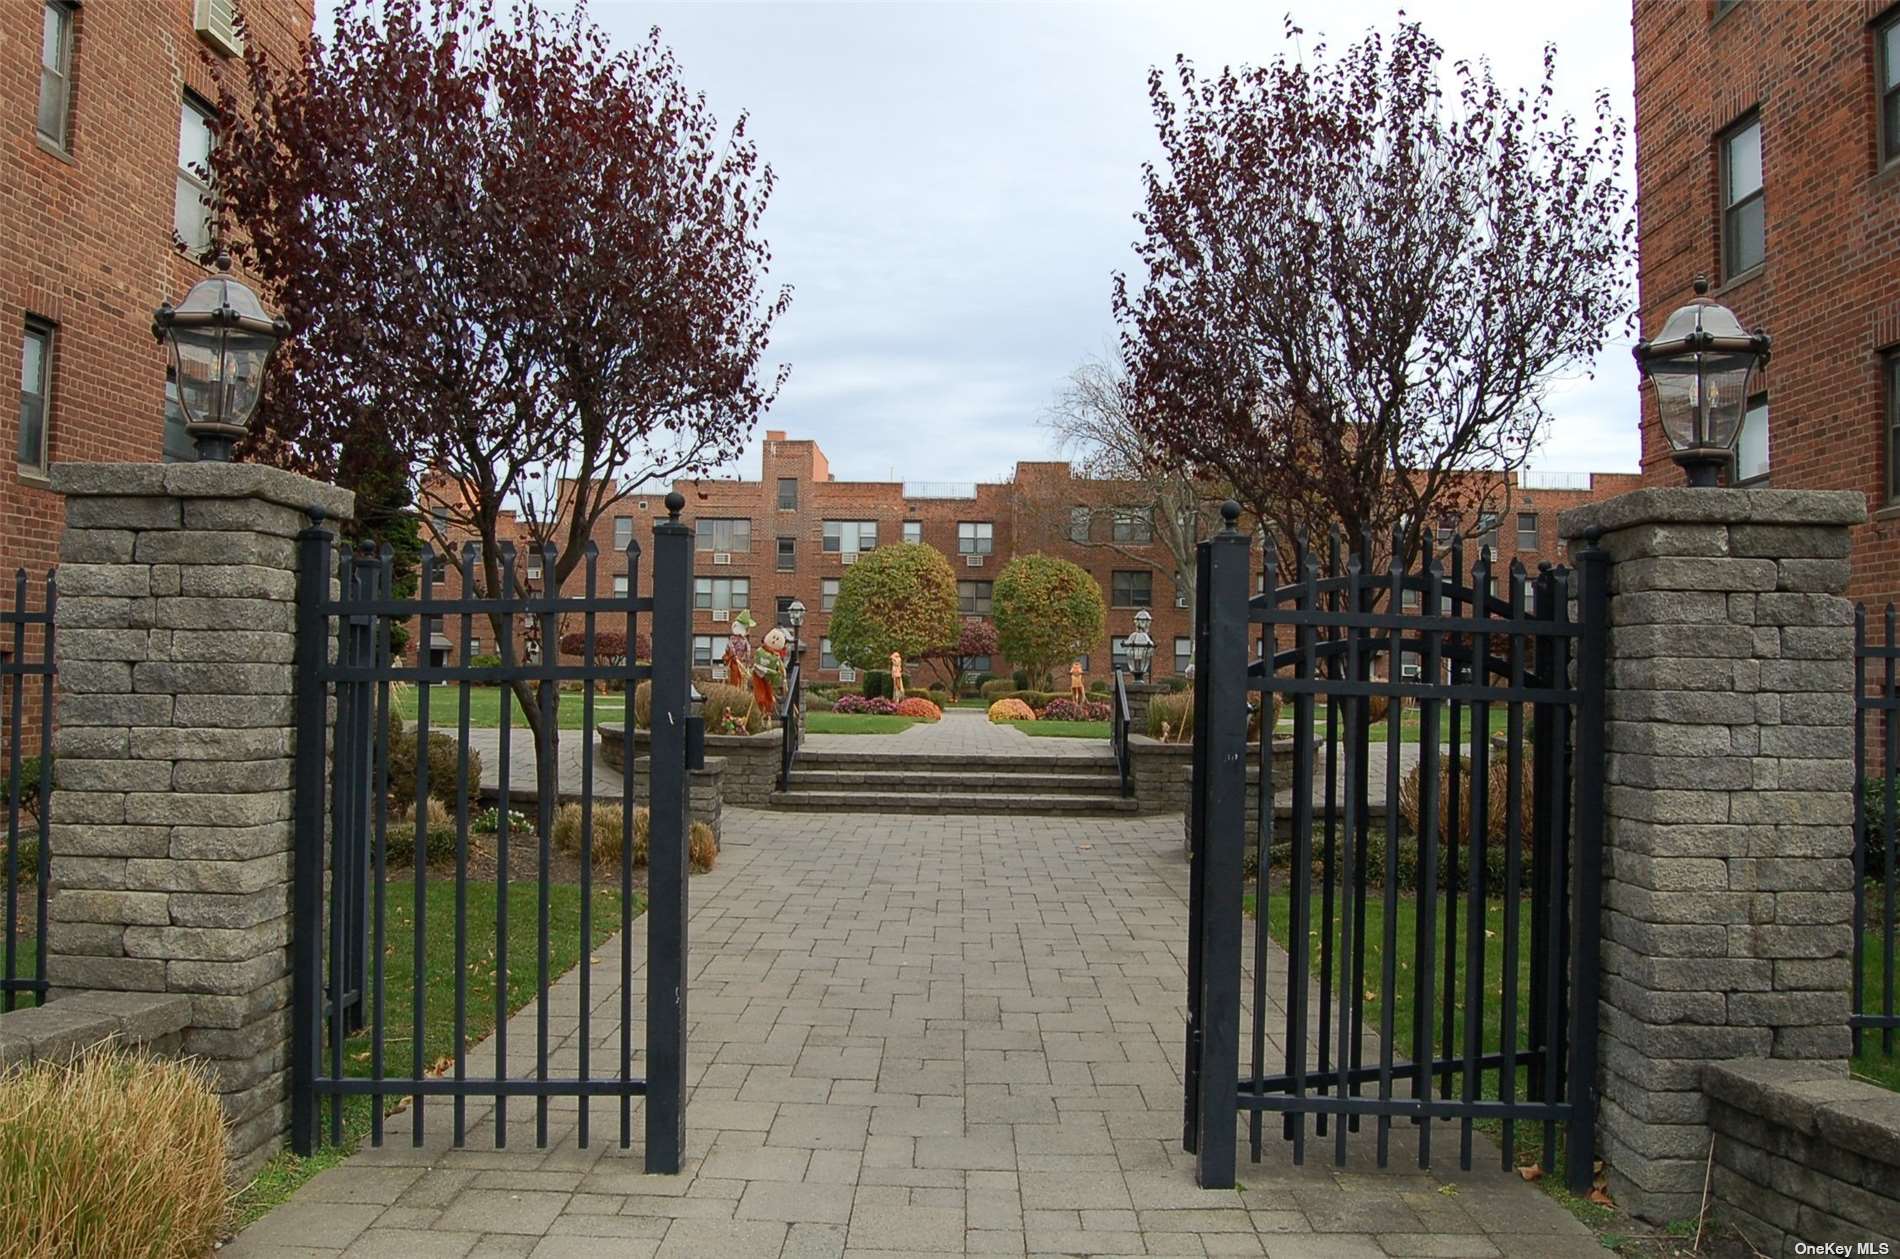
116,1156
1496,803
729,709
609,819
918,706
877,683
1070,710
490,661
865,705
1171,718
895,598
815,703
1036,699
996,688
444,756
643,705
1019,680
1048,611
1176,682
1011,710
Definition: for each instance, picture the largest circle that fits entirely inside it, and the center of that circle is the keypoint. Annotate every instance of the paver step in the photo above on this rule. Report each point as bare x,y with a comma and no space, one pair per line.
951,802
989,782
826,758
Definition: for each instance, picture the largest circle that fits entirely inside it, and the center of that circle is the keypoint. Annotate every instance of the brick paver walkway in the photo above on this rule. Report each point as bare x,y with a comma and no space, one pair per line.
949,1036
962,732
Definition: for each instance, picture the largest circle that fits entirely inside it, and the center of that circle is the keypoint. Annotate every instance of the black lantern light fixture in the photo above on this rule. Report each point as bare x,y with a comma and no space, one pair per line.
220,339
1701,365
1140,648
795,617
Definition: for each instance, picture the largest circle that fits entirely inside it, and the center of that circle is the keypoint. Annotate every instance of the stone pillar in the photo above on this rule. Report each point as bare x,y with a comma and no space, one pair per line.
171,840
1728,830
1140,695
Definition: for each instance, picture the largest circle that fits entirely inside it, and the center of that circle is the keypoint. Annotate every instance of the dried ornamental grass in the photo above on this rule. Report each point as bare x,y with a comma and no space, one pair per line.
115,1157
1497,800
609,823
1011,710
702,847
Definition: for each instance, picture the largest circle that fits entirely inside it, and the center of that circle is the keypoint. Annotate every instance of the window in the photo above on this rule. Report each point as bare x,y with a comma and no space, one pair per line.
1446,532
825,659
1744,218
913,531
1083,660
977,664
439,516
1751,448
1118,652
1892,372
973,597
1410,601
848,537
623,532
708,650
1134,527
1887,56
191,216
620,584
534,568
1183,653
787,493
1527,531
1488,529
722,535
724,594
36,387
787,554
828,594
56,71
975,537
1132,589
785,611
1079,525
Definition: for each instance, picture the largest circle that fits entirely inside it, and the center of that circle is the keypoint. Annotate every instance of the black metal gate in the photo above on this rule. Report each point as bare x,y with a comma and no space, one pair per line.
26,702
1482,1009
343,947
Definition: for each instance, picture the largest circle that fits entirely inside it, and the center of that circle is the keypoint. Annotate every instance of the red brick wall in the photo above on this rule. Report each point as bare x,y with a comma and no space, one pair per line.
1829,290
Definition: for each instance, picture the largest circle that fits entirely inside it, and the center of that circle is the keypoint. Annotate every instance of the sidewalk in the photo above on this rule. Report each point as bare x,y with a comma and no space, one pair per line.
949,1036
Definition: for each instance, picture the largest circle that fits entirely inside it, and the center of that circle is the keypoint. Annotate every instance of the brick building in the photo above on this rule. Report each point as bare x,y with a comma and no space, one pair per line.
791,534
106,110
1768,159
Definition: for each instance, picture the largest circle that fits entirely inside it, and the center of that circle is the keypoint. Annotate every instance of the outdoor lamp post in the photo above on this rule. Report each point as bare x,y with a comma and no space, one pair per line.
1701,365
1139,647
219,338
795,615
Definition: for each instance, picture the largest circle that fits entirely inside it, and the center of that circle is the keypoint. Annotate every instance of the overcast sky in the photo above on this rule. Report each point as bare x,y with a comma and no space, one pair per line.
957,183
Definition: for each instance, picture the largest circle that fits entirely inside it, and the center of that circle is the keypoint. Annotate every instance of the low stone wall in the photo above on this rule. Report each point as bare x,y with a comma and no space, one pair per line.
1803,1155
62,1030
751,761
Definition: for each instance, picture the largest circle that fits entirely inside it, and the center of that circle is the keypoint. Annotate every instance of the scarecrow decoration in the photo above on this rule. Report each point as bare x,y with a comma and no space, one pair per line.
1077,691
768,670
739,651
897,676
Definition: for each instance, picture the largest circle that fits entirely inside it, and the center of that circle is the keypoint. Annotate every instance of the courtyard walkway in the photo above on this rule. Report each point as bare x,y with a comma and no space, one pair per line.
952,1036
962,732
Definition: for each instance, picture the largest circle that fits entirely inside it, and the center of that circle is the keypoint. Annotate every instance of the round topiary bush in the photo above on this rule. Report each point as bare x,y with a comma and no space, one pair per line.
996,688
1011,710
918,706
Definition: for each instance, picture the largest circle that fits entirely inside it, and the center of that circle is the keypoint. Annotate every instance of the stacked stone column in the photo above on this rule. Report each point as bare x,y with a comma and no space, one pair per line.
1729,809
171,865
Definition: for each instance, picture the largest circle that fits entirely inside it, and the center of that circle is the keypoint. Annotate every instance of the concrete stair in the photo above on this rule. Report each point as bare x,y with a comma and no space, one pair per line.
946,783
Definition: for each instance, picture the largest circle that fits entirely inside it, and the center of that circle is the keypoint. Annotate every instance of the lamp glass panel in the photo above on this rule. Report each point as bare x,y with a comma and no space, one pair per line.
197,360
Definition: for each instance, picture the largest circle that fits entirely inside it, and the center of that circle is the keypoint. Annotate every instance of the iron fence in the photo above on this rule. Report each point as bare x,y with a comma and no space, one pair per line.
1876,908
791,719
1508,1041
26,675
343,946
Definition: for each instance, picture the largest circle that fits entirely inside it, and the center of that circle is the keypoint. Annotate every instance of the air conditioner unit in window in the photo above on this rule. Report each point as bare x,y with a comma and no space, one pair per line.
216,24
973,561
1410,670
722,557
850,557
847,674
721,614
1180,601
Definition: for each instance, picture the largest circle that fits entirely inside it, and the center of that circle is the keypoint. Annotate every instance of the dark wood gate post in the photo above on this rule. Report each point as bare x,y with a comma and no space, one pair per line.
666,870
1221,750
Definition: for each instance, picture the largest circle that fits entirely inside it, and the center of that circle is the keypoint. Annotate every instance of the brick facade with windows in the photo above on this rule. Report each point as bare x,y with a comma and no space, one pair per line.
92,99
1768,159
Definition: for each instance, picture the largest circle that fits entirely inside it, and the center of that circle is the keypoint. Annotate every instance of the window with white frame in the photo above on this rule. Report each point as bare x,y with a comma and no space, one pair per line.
1133,526
787,493
787,554
1079,518
1132,588
1118,652
722,594
620,584
708,650
974,597
722,534
623,532
1751,447
848,537
975,537
1183,653
1887,66
56,72
1527,531
1744,214
191,210
825,659
36,395
913,531
828,594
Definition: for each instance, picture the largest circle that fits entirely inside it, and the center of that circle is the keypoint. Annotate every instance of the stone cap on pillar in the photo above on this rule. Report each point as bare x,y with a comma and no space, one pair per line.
257,481
1696,505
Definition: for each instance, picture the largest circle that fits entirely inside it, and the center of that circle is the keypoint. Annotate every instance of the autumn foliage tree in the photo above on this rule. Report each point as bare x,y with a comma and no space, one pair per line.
515,260
895,598
1048,611
975,640
1357,283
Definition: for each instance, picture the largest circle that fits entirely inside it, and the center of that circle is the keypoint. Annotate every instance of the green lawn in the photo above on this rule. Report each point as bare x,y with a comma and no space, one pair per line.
1064,729
484,707
856,723
285,1172
1408,727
